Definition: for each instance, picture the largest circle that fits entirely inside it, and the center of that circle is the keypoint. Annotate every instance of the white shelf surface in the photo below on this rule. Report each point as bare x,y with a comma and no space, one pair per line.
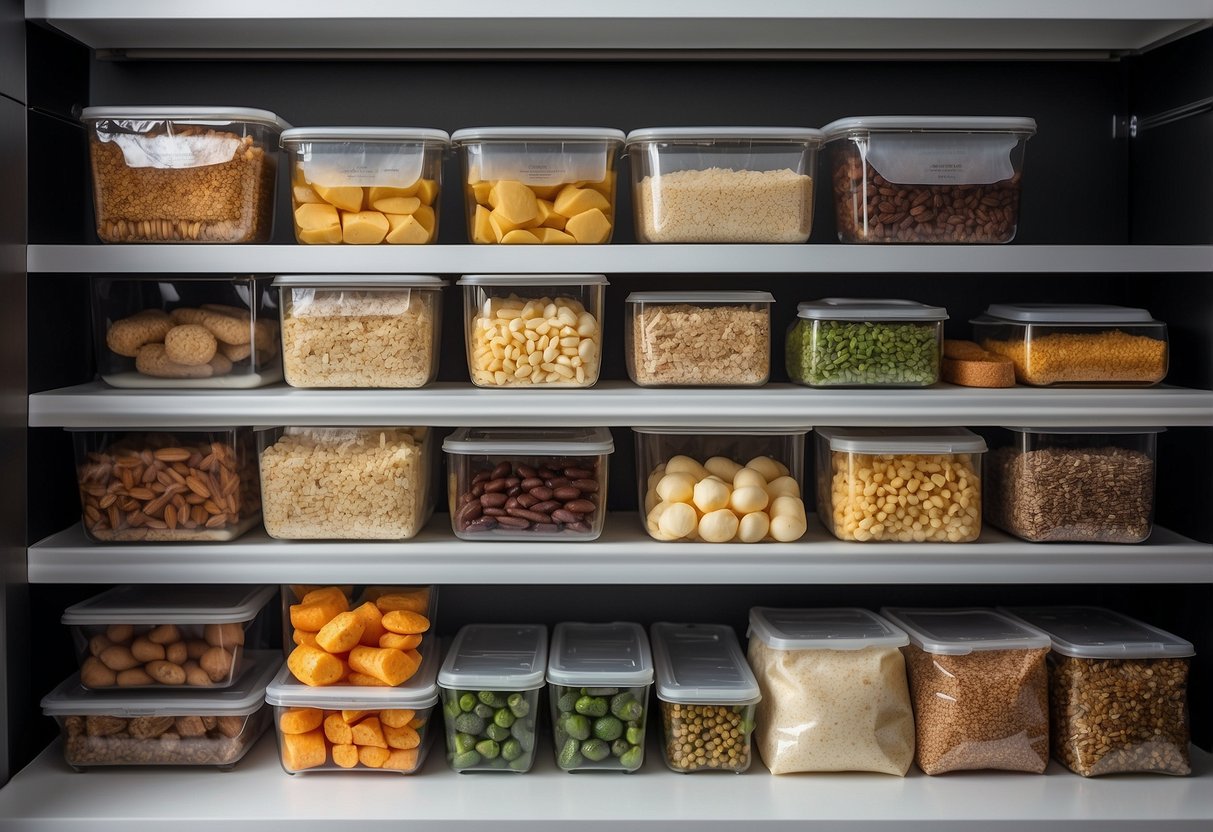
621,404
614,259
1106,25
437,556
49,797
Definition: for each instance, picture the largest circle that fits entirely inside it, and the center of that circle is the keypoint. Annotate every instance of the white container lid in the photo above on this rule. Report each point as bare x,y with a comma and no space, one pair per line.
1100,431
496,657
245,697
359,281
700,297
700,135
419,692
202,114
1068,313
753,431
615,654
530,441
958,632
869,309
177,604
405,135
838,628
539,134
897,440
532,280
701,664
1098,633
944,124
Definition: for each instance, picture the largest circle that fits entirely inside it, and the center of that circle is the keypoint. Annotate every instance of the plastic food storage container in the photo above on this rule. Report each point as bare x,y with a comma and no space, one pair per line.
1076,343
194,728
723,184
707,486
360,330
1073,484
520,483
707,697
979,689
152,636
345,483
186,332
927,179
167,485
308,609
598,684
847,342
539,185
365,185
365,728
183,174
491,681
888,484
698,339
1118,691
834,694
533,330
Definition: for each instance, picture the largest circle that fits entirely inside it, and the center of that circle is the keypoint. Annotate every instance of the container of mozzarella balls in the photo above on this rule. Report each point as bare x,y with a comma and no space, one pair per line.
721,487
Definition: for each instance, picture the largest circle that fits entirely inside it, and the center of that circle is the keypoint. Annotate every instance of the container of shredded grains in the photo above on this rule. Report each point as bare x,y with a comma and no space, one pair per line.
723,184
834,695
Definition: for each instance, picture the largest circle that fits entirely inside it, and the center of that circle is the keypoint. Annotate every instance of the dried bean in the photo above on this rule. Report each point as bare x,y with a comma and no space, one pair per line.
544,499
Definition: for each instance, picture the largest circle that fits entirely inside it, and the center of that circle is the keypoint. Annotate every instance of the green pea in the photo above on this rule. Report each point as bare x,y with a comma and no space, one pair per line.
608,728
469,724
497,762
451,708
491,698
632,758
890,353
620,747
503,717
467,702
527,740
463,743
511,749
570,754
521,764
518,704
626,707
522,727
595,750
484,711
468,759
600,691
567,702
577,726
591,706
496,732
634,735
488,749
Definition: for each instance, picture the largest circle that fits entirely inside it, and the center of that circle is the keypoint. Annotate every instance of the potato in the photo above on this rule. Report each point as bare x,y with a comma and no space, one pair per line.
118,658
231,726
195,676
405,622
300,720
166,673
145,650
189,726
94,674
304,751
224,635
194,648
217,663
120,633
98,644
134,677
165,634
176,653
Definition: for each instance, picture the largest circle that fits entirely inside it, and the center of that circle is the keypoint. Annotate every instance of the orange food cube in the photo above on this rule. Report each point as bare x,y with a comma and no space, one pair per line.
341,633
400,760
369,732
365,681
373,756
313,615
300,720
405,622
345,755
372,624
400,642
315,667
396,717
390,666
351,717
337,731
413,600
404,738
304,751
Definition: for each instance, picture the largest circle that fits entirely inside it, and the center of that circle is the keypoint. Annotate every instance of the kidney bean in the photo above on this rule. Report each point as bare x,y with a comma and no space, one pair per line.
466,498
477,489
495,500
566,492
557,482
525,500
542,492
481,524
502,470
514,522
512,502
481,476
545,473
561,515
495,485
527,514
578,527
580,506
468,513
546,506
545,528
525,471
495,512
544,499
515,491
578,473
512,481
532,482
587,486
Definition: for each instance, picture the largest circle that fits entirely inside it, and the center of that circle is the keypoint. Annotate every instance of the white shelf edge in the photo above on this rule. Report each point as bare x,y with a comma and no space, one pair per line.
616,259
437,556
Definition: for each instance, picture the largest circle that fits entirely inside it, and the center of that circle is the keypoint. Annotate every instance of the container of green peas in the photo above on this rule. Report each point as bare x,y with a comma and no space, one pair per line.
490,682
598,683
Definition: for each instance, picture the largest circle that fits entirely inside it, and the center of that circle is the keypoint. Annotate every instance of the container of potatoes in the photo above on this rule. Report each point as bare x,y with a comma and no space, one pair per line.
165,636
365,185
182,728
539,185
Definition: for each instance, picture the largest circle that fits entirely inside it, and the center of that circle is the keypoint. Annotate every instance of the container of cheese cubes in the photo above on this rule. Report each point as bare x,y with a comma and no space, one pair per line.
365,185
539,185
741,486
533,330
906,486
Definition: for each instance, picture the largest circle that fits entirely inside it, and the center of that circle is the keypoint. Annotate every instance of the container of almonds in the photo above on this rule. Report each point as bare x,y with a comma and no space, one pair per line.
1118,691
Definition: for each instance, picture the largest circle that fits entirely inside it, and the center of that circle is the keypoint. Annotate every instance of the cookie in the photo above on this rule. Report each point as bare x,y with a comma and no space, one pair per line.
126,336
152,361
225,328
190,344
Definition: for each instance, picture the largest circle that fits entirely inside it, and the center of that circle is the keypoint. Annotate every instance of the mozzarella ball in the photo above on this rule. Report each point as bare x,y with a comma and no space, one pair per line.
786,527
748,476
677,521
787,507
655,476
753,527
676,488
650,501
685,465
766,466
722,467
749,499
718,526
711,495
783,469
783,487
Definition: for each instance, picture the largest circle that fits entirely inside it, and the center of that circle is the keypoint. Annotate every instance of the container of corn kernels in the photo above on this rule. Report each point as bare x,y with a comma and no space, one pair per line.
885,484
1076,343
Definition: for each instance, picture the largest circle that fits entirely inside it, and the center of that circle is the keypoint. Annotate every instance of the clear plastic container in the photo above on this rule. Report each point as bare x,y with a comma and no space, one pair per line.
539,185
185,332
360,330
847,342
698,339
1073,484
533,330
1118,691
720,486
167,485
354,727
346,483
598,686
1076,343
707,697
183,174
927,179
889,484
146,636
979,687
365,185
723,184
522,484
215,728
491,681
308,608
834,694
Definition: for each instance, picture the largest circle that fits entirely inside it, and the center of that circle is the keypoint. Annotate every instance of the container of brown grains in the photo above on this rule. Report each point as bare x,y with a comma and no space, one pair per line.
979,689
1073,484
183,174
1118,691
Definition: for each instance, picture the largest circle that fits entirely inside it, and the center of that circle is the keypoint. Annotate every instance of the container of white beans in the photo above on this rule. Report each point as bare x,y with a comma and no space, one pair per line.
885,484
542,330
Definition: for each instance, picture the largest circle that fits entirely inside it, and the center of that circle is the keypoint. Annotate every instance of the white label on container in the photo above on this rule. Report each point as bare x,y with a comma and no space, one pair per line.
544,162
942,158
174,152
341,164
